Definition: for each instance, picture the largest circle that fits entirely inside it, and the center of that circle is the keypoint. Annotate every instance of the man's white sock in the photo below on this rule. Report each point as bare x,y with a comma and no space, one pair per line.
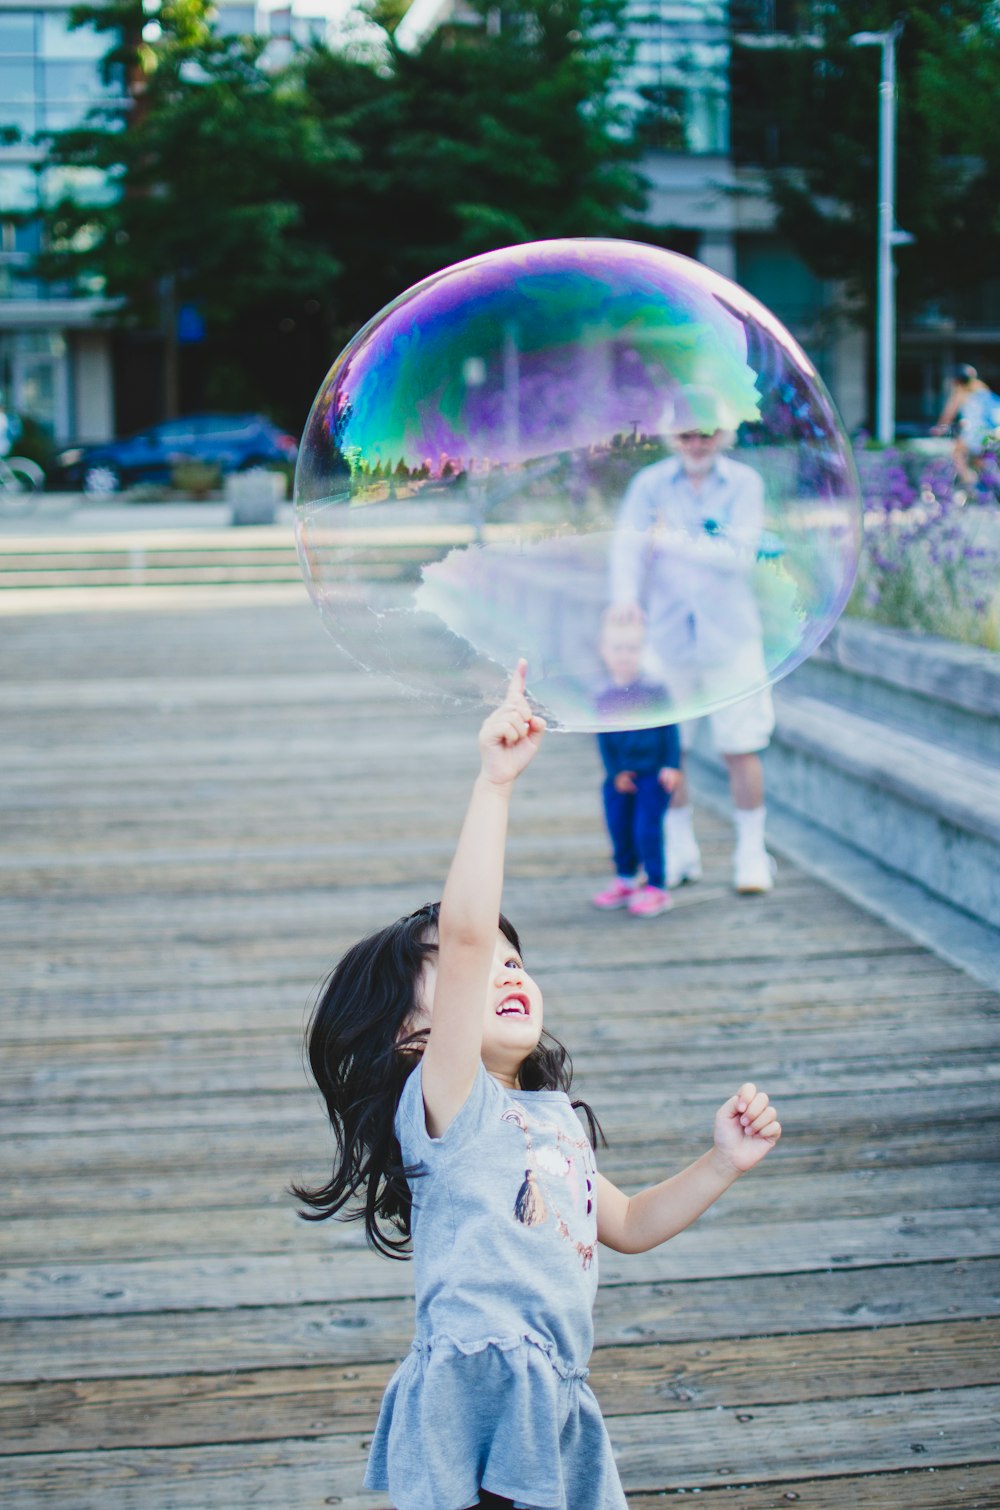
750,826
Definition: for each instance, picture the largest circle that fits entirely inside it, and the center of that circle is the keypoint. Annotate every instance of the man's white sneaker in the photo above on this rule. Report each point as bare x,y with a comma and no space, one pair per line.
753,871
683,862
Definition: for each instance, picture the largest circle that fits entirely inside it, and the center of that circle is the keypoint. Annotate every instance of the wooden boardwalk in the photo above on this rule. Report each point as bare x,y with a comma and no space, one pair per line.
201,806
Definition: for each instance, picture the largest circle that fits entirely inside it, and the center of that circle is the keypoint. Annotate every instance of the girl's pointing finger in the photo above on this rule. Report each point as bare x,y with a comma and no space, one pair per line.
518,681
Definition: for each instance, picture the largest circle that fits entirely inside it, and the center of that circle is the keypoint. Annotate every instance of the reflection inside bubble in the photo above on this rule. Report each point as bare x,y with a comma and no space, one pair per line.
585,453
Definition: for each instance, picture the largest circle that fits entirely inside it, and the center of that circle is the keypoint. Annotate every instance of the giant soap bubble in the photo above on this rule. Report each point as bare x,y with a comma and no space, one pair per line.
595,454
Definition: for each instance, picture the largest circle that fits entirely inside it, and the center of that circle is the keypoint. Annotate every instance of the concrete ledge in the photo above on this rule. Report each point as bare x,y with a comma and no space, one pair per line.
945,692
959,789
964,676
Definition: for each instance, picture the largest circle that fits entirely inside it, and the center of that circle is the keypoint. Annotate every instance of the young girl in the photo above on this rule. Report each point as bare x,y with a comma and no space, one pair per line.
452,1121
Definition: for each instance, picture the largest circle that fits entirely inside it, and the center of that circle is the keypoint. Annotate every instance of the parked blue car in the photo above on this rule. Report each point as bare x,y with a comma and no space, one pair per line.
232,442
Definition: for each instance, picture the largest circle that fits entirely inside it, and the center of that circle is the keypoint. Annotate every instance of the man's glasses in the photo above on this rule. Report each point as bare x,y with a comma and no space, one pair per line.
697,434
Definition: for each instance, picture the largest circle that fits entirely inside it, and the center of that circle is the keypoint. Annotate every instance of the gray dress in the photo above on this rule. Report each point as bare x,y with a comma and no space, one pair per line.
493,1394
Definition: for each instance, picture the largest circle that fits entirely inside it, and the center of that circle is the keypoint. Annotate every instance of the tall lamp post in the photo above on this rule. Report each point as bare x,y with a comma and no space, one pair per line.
889,236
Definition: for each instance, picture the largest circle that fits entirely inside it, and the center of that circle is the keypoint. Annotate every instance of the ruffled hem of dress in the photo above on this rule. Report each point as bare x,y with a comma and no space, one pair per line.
442,1341
459,1414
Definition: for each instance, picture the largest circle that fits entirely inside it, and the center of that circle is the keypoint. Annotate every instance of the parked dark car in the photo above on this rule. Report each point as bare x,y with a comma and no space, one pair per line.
232,442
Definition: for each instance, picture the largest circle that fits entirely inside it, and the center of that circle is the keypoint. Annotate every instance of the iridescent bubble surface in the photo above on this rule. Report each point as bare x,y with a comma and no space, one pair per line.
595,454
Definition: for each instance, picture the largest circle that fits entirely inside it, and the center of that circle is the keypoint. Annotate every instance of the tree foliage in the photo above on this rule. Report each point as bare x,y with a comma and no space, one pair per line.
809,115
473,142
288,206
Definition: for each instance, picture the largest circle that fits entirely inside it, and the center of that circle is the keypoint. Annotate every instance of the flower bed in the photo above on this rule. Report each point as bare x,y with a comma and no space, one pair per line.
931,556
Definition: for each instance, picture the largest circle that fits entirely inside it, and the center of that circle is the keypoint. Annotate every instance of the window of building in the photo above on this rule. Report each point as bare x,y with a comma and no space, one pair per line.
60,40
18,94
50,78
50,73
678,83
17,32
236,20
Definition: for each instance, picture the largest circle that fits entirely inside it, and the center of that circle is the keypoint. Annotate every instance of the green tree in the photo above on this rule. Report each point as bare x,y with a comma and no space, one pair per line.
808,114
288,206
211,163
478,140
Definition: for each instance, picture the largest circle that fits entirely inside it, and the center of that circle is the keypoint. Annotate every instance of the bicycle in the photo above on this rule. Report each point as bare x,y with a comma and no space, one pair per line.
21,483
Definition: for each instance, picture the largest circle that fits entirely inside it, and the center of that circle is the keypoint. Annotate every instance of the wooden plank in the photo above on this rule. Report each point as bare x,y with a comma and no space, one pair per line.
281,1336
868,1124
971,1487
102,1017
823,1439
962,791
281,1267
145,1230
180,1055
788,991
187,1180
209,1012
964,675
773,1443
186,1409
131,1070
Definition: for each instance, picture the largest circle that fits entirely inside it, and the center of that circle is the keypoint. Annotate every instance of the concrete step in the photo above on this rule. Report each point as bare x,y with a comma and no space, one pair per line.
174,558
920,808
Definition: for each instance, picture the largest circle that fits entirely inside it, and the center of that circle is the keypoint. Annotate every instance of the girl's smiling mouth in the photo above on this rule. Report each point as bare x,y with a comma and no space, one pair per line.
514,1005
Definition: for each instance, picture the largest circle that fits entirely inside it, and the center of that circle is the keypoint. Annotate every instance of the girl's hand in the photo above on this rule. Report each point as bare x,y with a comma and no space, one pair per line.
746,1128
669,778
624,782
624,613
509,738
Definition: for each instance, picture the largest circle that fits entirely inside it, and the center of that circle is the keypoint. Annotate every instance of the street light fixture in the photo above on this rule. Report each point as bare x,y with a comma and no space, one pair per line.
889,236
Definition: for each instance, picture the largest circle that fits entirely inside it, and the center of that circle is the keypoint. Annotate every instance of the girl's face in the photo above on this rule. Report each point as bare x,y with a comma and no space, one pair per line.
512,1022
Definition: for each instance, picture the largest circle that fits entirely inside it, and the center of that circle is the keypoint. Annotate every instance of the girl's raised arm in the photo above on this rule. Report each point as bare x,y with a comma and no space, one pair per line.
468,921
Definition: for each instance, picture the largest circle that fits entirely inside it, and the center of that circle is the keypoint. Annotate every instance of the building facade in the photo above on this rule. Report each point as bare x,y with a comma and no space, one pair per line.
702,202
63,364
712,202
55,350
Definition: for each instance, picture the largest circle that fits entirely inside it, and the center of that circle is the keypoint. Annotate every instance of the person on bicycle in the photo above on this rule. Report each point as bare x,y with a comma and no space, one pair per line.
977,409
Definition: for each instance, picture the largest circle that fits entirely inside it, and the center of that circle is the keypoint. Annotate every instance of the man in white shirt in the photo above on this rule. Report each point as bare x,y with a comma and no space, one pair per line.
681,563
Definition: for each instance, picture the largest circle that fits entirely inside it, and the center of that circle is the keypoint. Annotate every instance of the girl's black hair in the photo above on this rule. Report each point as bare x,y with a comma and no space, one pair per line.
360,1058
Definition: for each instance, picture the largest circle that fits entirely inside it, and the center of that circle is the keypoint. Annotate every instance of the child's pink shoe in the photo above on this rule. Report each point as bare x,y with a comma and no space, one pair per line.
617,895
649,902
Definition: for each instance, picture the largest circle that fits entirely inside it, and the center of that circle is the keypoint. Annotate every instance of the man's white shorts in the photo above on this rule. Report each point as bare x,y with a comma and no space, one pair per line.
740,728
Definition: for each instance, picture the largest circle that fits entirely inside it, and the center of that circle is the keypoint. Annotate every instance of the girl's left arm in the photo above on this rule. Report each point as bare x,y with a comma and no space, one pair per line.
468,919
746,1128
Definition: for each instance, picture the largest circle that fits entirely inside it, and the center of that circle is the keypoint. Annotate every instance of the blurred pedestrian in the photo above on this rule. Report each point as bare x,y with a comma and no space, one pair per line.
682,565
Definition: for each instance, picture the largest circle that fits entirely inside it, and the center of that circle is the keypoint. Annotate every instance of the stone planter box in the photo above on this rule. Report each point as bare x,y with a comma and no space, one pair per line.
255,496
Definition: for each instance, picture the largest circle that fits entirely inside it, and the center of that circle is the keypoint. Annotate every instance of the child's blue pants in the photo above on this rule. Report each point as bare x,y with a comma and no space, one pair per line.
635,823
